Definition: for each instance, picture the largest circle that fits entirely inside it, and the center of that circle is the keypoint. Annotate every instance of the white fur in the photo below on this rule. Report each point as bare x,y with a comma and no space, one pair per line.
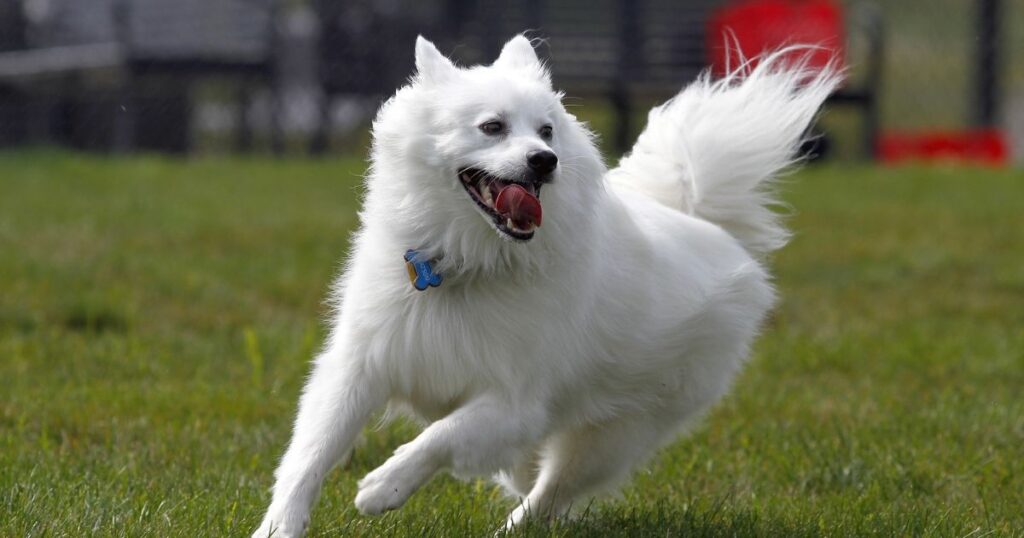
559,364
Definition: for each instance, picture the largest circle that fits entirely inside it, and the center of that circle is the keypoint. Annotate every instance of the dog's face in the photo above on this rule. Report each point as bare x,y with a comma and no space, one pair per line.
498,129
476,161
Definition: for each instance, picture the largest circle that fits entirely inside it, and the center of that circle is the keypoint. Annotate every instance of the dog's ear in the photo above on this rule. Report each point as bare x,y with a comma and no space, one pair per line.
517,53
431,65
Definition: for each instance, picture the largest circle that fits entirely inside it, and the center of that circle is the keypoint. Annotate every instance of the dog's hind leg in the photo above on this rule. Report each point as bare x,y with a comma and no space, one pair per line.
585,462
479,438
519,479
337,401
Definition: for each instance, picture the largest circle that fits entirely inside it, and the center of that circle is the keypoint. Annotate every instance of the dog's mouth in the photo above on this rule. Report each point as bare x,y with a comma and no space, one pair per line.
514,206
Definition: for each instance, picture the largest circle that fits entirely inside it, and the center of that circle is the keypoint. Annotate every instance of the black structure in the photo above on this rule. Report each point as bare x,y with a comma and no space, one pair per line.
616,49
118,74
987,91
621,50
867,93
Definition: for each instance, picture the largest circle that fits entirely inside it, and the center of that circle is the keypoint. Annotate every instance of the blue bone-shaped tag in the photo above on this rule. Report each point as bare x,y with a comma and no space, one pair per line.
421,273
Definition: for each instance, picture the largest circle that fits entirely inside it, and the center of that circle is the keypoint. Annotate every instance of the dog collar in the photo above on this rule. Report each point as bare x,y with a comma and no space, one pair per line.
421,271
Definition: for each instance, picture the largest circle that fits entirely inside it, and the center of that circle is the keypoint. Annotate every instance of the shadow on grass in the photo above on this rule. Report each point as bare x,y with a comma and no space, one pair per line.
665,520
611,520
94,317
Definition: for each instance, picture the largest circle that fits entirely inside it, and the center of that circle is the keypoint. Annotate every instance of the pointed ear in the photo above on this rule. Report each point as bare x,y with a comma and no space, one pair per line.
430,63
517,53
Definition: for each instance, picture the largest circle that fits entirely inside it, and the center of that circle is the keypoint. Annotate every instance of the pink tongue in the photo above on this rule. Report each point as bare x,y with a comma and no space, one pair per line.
514,202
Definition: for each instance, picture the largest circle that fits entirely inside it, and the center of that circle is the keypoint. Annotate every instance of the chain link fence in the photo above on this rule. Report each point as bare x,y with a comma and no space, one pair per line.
934,54
1013,67
931,68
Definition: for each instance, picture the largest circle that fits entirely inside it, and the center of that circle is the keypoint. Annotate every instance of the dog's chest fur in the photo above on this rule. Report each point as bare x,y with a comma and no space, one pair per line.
549,339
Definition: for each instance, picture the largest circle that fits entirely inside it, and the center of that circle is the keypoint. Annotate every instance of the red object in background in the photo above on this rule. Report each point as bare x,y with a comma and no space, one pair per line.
980,146
757,26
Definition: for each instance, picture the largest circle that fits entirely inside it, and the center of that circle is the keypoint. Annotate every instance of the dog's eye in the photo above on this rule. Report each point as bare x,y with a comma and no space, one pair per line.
545,132
493,128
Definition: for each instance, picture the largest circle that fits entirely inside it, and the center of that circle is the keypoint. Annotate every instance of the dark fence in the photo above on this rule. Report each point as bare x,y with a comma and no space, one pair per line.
614,49
159,74
118,74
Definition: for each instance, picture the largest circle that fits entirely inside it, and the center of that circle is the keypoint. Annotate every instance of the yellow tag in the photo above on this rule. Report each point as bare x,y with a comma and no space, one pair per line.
412,272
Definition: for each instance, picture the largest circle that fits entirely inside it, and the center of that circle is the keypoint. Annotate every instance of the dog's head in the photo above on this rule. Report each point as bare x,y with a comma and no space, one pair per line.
479,161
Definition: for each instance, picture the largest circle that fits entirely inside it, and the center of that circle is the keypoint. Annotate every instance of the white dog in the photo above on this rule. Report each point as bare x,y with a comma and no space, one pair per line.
572,320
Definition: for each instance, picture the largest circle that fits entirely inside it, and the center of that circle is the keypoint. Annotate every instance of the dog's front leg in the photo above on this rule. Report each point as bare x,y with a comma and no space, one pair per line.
337,401
485,435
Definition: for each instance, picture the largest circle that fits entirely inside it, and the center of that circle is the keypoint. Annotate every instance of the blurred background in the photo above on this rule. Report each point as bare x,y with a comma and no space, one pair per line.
929,78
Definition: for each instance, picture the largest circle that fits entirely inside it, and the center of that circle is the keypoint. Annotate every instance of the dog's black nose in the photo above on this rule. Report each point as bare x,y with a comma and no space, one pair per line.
542,161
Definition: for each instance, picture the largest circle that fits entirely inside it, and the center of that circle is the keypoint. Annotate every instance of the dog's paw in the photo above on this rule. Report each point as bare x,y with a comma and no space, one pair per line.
381,491
390,485
515,520
281,527
273,531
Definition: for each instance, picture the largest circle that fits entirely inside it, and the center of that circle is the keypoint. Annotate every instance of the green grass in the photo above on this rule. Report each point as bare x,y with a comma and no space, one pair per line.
156,317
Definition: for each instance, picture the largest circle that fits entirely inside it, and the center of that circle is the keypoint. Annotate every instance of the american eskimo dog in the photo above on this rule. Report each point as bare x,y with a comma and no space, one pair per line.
551,322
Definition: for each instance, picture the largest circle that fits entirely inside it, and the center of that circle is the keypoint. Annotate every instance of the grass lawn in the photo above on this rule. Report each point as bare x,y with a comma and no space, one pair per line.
156,318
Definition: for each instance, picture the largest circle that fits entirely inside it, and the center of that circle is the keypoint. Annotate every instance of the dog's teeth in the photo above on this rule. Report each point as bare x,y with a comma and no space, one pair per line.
487,196
509,224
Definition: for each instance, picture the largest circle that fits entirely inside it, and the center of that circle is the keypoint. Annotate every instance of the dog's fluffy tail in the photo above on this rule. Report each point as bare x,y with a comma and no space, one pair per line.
714,150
